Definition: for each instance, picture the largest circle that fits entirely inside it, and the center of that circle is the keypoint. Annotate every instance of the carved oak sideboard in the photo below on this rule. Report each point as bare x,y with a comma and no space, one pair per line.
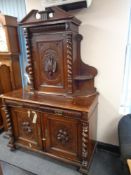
57,114
10,76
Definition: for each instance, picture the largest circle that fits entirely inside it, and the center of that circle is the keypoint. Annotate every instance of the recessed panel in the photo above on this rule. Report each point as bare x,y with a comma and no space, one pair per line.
26,130
49,62
62,136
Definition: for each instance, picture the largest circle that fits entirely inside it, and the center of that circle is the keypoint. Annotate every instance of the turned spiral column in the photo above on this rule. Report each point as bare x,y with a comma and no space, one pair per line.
9,127
69,63
85,135
29,68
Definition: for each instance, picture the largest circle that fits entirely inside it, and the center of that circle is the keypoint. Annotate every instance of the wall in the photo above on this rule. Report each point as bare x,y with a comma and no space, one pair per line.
18,9
33,4
104,28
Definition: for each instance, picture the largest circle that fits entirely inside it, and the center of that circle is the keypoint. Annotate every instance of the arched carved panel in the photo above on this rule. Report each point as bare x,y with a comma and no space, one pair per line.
50,64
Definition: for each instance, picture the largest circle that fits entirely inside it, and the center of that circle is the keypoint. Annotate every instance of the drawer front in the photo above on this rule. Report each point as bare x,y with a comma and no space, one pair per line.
63,136
27,129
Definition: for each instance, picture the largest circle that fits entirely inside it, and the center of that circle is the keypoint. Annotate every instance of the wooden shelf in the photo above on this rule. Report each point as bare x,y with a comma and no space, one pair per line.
83,77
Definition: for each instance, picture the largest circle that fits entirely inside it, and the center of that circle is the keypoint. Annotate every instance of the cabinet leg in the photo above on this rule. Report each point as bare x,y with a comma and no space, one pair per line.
83,171
11,143
84,167
10,129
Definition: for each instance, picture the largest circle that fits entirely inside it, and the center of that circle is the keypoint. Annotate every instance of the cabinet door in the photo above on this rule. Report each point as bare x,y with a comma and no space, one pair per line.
63,136
49,58
27,129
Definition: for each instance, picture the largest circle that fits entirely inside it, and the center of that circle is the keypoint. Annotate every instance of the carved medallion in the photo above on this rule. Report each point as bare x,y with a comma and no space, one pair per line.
26,127
62,136
50,63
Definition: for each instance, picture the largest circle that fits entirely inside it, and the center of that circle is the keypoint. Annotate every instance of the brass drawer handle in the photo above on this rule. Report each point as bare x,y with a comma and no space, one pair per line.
58,112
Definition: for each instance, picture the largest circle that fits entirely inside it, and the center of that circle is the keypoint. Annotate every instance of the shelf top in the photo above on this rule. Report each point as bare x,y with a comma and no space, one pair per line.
79,103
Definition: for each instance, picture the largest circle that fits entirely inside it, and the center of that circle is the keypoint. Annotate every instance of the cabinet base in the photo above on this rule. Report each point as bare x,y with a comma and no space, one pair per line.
83,171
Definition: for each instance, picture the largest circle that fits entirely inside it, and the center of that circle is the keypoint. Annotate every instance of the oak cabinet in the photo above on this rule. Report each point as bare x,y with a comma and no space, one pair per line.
56,115
10,76
62,132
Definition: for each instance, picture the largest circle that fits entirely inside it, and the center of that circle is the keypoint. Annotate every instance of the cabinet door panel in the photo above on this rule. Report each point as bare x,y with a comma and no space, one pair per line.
63,137
27,130
49,58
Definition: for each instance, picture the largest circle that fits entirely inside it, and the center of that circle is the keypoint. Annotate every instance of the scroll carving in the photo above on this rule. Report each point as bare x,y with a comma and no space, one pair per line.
62,136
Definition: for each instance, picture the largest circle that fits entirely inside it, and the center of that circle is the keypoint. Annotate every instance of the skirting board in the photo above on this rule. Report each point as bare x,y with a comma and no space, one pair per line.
108,147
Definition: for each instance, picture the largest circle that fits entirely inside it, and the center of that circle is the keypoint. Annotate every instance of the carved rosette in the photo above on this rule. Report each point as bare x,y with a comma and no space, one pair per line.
29,68
62,136
26,128
9,127
85,130
69,63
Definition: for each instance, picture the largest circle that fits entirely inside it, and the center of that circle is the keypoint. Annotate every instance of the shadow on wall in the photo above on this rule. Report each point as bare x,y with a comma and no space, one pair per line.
108,121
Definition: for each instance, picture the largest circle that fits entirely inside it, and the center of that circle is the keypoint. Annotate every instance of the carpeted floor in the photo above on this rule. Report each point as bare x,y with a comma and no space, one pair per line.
104,162
8,169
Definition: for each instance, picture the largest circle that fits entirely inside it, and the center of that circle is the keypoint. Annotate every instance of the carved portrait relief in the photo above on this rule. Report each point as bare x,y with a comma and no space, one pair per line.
50,63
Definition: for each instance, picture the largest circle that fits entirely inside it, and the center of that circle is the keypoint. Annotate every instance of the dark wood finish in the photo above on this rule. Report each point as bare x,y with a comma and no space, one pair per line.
57,43
63,136
27,128
74,122
10,77
57,114
1,172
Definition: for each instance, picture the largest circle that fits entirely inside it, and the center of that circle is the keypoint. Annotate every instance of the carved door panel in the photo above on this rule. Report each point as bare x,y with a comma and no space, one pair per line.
5,79
27,129
49,62
63,137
